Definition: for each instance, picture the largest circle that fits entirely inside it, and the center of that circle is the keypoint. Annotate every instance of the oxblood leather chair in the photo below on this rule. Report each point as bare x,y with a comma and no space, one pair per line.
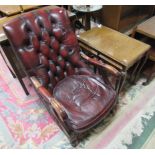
49,53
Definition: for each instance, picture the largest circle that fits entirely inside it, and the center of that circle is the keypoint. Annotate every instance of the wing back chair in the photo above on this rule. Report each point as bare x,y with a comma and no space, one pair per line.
48,51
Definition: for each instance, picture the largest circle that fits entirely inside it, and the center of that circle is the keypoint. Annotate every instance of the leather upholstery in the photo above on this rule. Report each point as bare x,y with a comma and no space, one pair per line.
49,50
46,44
84,95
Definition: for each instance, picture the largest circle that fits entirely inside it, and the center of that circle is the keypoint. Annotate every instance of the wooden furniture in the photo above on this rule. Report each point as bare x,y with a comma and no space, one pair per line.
29,7
87,9
6,51
115,48
125,17
9,10
48,52
147,30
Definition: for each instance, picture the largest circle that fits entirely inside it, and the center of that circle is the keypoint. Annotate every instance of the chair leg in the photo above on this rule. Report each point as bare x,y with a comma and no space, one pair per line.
113,111
73,137
147,81
74,143
74,140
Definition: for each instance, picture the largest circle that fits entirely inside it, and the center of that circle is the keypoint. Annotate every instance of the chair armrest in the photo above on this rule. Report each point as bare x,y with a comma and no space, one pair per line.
49,98
111,69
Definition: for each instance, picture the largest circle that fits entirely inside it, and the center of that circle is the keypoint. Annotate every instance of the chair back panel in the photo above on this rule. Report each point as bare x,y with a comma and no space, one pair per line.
46,44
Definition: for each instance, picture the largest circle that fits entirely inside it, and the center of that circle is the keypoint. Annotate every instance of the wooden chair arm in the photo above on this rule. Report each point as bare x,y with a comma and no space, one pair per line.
49,98
111,69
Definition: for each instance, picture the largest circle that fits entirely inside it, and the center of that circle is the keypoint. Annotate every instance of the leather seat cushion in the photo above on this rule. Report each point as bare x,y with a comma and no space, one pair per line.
84,99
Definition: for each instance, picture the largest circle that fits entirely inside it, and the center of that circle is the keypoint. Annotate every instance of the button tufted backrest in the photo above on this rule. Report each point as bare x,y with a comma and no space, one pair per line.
46,44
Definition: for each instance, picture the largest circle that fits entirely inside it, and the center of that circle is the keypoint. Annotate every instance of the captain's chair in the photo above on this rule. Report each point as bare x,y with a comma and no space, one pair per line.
48,49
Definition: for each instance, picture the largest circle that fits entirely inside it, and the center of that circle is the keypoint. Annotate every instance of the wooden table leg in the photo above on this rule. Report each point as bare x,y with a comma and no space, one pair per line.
141,66
122,81
133,74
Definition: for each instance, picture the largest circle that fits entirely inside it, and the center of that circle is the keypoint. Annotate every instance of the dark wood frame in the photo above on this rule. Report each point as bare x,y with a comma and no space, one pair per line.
125,17
55,108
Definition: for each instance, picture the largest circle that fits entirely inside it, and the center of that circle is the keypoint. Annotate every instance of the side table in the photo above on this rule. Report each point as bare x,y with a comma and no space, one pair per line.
147,30
9,10
115,48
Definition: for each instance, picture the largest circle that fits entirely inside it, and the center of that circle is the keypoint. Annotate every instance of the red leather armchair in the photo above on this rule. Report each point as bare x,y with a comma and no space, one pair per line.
49,53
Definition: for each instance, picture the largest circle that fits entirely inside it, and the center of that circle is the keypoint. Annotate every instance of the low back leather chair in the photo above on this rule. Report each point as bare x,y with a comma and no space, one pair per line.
49,53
